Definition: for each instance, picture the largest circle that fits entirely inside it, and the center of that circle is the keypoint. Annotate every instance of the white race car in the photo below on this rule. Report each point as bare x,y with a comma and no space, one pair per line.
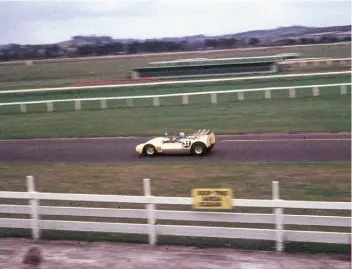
197,144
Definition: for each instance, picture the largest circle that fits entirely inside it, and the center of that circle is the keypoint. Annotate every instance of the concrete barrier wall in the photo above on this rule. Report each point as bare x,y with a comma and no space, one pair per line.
315,65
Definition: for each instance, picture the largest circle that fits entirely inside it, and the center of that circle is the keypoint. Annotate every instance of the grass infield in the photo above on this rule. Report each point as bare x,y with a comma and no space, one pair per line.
323,114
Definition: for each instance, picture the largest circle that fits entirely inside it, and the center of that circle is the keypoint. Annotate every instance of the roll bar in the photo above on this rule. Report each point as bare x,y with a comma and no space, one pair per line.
200,133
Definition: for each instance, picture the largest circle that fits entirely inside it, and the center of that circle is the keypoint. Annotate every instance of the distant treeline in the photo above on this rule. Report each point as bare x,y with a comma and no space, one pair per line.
23,52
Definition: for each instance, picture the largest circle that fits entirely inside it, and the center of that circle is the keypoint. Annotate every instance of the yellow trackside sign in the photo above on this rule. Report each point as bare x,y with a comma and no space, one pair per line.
212,198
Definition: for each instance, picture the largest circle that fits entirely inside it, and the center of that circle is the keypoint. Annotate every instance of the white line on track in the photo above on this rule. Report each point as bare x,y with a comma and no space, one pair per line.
289,134
68,139
287,140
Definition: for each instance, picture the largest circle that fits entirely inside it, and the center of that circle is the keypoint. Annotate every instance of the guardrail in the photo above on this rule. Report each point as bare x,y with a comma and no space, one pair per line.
180,82
185,96
277,218
317,60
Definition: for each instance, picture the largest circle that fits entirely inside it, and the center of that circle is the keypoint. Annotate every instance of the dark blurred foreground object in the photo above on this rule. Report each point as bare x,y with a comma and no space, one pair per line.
33,257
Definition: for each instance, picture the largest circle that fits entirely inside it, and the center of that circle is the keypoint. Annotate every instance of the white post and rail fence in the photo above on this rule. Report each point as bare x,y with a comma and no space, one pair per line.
151,215
315,91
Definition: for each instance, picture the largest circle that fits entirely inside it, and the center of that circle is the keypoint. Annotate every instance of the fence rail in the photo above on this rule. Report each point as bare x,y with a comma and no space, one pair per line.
185,96
151,215
178,215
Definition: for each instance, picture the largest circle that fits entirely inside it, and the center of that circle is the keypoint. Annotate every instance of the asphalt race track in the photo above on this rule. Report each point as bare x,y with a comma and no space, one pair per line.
309,147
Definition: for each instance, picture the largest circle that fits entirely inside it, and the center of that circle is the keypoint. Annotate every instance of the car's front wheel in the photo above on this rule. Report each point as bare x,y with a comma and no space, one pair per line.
149,150
198,149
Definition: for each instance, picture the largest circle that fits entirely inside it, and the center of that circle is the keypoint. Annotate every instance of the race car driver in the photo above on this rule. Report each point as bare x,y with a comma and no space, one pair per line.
178,138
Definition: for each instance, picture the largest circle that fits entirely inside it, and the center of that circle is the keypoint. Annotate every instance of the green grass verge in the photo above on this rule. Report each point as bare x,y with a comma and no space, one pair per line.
329,181
325,114
248,181
66,73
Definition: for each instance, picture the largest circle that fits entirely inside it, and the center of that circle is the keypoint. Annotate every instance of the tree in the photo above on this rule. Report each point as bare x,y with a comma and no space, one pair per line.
85,50
253,41
52,51
328,39
305,40
232,43
133,48
284,42
185,46
212,43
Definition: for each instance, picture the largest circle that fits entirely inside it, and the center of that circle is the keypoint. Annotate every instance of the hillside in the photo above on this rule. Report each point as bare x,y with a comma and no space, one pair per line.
273,34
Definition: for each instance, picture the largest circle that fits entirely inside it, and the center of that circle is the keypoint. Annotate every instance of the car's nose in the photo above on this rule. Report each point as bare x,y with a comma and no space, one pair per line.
139,148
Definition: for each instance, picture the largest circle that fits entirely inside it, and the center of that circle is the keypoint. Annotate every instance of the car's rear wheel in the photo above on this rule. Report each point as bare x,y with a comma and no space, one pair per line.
198,149
149,150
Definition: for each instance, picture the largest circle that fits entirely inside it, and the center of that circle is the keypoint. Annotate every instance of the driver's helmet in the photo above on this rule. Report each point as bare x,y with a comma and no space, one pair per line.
182,135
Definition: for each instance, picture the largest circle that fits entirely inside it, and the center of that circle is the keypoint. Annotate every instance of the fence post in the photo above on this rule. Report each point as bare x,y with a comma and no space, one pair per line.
315,91
156,101
34,204
343,89
77,105
23,108
240,96
292,93
103,104
185,100
214,99
278,211
267,94
49,107
150,211
129,102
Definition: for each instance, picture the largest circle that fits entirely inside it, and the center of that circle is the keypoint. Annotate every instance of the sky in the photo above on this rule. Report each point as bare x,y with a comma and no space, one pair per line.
45,22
